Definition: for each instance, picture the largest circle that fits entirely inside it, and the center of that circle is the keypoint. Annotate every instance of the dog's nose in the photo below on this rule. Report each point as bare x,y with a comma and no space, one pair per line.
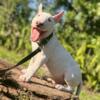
39,24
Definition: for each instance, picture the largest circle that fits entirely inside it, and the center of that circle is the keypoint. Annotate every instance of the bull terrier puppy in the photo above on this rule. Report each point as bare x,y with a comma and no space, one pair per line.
60,63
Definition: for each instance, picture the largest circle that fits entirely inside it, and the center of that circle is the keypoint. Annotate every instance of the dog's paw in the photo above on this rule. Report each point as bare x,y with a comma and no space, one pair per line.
50,80
64,88
59,86
22,78
23,71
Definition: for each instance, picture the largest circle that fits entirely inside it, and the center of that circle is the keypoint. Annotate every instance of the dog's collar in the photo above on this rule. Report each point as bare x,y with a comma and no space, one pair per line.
45,40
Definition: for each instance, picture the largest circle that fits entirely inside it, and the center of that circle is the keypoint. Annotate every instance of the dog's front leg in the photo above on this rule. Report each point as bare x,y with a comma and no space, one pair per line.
39,60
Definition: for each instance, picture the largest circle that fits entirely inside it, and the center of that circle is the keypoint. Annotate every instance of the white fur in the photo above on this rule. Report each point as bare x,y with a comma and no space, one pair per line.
60,63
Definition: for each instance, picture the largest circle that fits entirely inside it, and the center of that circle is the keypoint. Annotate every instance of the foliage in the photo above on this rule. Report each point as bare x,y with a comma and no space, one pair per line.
87,95
14,24
79,32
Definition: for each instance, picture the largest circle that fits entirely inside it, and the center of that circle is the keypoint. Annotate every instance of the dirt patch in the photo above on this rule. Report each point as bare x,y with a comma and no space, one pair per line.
36,89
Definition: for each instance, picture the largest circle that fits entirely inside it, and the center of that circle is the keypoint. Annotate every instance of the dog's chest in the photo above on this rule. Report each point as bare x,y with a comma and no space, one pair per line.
56,62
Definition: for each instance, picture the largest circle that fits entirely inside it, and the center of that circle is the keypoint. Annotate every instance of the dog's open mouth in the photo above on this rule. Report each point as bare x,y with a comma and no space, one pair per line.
37,33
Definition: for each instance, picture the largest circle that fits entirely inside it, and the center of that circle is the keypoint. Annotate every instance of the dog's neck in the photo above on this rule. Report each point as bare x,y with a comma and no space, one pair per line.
44,41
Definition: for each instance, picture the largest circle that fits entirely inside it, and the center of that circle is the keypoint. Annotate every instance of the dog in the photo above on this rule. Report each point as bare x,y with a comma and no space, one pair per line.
59,62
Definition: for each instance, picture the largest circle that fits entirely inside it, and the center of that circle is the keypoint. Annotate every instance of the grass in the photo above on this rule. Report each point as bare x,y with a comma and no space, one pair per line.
87,95
14,57
11,56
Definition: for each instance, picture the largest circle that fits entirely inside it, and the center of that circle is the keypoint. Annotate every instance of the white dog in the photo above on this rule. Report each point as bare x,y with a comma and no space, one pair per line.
59,62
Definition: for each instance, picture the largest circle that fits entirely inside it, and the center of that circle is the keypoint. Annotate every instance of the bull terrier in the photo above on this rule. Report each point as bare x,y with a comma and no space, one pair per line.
59,62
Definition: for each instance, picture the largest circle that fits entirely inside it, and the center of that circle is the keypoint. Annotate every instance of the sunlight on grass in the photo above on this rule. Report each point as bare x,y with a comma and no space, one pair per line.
86,95
11,56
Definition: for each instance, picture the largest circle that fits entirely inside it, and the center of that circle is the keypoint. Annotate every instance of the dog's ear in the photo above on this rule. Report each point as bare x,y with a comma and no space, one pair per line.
58,16
40,8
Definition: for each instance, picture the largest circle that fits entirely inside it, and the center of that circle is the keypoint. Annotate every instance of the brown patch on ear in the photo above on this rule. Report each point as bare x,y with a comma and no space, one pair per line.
58,16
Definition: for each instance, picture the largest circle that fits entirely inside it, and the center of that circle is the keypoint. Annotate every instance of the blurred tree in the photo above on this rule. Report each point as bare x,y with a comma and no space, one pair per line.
14,22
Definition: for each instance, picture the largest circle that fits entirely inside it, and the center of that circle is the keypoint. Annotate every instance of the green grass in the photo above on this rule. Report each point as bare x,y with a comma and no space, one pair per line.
87,95
13,57
9,55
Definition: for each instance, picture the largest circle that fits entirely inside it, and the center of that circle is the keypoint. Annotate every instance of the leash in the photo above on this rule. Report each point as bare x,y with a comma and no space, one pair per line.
23,60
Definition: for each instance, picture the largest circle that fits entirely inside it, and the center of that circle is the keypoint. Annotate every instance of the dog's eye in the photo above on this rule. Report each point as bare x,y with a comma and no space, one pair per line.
49,19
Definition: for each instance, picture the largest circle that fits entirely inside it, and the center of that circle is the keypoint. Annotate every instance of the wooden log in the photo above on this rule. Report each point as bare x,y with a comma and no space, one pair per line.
38,87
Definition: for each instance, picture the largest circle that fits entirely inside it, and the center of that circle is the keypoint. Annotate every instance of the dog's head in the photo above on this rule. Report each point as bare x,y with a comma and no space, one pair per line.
43,24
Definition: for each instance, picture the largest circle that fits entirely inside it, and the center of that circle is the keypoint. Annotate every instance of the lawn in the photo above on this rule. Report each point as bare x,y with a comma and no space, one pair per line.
13,57
87,95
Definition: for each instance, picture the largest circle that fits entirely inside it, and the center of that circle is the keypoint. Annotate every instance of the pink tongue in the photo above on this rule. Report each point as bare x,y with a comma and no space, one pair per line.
35,35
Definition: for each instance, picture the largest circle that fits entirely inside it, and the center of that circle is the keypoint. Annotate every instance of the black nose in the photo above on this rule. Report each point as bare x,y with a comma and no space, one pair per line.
39,24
